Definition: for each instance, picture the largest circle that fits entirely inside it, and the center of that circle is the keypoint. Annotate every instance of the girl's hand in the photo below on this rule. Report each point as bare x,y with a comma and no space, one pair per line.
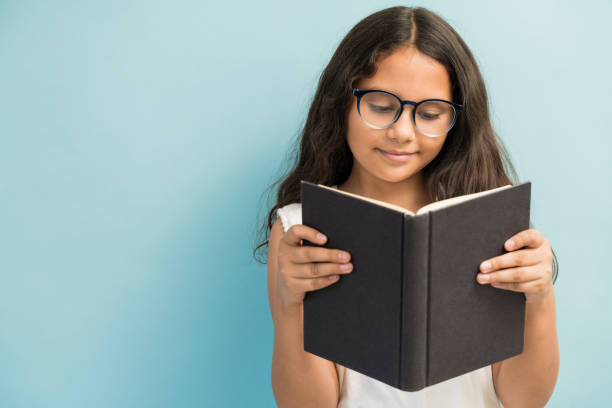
527,270
305,268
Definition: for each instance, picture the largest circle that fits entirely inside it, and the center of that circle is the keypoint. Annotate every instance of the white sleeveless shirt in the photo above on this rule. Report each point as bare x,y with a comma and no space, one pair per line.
470,390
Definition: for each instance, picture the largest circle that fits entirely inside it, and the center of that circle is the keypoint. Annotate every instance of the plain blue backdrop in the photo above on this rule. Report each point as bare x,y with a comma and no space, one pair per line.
137,139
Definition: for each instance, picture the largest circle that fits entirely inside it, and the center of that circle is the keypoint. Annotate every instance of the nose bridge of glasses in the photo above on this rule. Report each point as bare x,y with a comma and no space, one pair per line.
411,104
410,111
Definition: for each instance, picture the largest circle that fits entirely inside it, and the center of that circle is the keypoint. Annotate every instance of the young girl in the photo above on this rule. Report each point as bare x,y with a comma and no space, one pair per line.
400,115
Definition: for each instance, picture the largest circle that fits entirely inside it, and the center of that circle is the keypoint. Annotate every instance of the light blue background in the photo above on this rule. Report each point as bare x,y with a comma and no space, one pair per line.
137,138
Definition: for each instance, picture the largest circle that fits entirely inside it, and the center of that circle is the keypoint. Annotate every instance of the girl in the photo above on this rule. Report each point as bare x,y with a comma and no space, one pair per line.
400,115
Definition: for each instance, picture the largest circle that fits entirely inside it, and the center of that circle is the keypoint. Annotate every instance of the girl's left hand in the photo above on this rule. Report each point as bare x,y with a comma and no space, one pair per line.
527,270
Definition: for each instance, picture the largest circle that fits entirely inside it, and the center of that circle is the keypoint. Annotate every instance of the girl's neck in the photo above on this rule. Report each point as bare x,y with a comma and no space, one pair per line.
409,194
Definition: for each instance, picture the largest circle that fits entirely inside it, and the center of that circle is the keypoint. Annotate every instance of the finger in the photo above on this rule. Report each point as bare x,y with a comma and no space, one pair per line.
307,254
523,257
530,237
527,287
320,269
511,275
298,232
307,285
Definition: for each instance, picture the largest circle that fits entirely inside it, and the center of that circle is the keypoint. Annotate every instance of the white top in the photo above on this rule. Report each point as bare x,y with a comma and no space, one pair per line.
470,390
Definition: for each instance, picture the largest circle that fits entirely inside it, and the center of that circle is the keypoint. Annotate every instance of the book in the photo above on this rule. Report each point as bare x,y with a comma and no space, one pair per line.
411,313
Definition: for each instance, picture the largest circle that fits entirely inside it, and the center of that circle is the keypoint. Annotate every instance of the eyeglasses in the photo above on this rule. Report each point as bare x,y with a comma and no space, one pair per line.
381,109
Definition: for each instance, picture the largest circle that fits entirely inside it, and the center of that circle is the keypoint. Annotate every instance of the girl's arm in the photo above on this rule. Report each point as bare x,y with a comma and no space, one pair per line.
528,380
299,378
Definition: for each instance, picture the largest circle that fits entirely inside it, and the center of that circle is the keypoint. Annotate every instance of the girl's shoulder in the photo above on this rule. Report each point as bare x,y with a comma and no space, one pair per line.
290,214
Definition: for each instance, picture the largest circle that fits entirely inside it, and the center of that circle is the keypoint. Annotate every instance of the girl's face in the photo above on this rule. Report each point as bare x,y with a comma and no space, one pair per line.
413,76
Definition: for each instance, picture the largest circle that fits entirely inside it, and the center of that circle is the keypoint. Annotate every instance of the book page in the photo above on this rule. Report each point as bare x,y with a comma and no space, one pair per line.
429,207
455,200
372,200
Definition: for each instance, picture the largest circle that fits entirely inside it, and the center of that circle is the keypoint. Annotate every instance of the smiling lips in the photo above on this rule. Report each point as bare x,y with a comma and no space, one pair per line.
396,156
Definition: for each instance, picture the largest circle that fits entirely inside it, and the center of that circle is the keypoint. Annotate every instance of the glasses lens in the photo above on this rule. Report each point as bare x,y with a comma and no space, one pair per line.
434,118
378,108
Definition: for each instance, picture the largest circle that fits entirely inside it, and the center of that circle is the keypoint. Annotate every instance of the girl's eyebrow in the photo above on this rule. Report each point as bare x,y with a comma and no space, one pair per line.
382,88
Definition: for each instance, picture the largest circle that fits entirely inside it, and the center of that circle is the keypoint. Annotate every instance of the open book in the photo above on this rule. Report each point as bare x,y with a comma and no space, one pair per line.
411,313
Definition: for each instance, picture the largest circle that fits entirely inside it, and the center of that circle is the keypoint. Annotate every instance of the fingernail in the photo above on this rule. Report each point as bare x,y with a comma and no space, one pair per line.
321,237
343,256
345,267
483,278
510,244
486,266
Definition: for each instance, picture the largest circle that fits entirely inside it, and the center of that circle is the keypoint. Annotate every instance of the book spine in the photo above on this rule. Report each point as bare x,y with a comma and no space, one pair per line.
414,313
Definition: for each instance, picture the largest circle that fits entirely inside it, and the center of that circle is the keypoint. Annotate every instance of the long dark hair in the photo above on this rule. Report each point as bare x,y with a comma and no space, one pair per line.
473,157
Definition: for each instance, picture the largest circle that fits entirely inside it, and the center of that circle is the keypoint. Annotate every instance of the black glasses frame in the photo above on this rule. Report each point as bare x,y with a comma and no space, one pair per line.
360,92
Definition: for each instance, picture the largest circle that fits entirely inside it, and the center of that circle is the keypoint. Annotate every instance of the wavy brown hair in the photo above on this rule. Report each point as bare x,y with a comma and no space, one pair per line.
473,157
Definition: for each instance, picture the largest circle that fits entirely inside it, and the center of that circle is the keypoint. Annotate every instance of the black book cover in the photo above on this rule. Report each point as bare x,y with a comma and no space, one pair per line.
411,313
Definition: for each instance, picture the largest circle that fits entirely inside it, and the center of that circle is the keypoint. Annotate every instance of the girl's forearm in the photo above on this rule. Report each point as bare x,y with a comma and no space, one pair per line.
528,380
299,378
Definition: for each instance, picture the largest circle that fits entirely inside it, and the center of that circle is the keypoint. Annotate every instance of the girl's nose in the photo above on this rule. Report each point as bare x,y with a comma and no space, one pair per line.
403,129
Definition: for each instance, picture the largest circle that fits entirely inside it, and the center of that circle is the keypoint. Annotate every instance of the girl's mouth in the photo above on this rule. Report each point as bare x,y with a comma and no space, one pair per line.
396,157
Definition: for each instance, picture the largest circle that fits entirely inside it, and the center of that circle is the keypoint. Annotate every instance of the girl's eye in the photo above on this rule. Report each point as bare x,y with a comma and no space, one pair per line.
381,109
429,116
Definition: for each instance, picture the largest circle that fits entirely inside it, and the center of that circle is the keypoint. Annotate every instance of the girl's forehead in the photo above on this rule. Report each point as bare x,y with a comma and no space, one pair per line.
409,74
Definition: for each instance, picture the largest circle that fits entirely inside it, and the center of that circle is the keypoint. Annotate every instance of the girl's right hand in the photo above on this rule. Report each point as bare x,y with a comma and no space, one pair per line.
305,268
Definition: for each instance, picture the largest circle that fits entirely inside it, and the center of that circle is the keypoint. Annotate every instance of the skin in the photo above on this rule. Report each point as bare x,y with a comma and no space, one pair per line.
410,75
526,380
